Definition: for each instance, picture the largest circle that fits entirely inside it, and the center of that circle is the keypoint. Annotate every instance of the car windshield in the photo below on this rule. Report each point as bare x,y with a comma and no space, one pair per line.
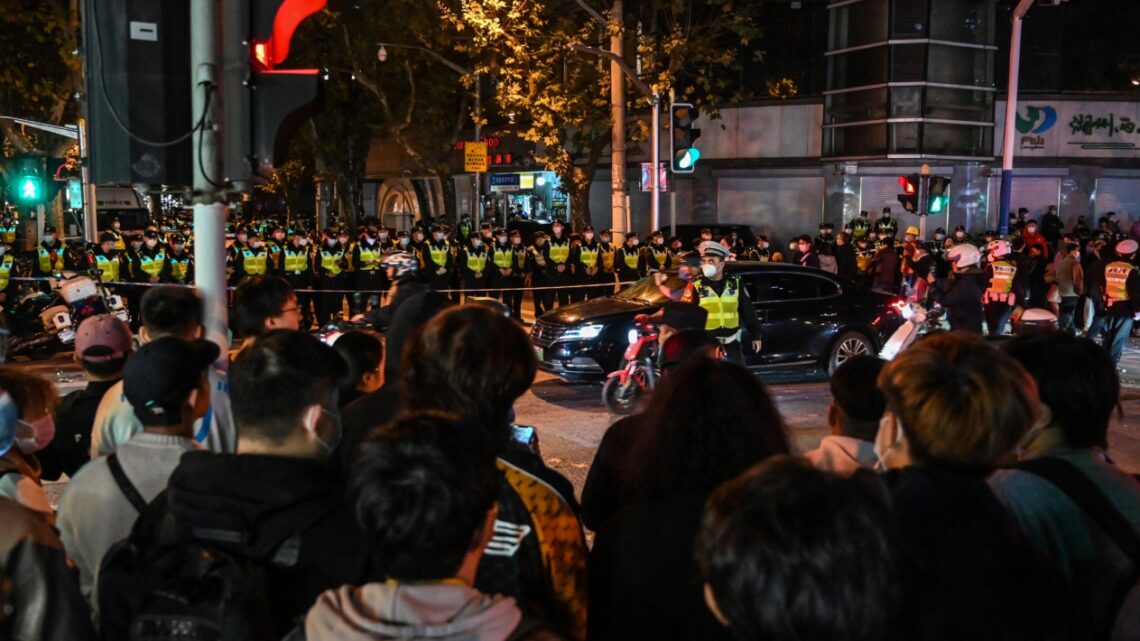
646,289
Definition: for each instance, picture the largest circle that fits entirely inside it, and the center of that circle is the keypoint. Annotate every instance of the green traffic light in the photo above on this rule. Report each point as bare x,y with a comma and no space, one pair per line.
688,158
938,204
29,189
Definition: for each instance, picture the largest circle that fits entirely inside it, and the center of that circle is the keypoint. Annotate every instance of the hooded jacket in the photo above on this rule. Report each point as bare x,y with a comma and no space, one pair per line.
440,611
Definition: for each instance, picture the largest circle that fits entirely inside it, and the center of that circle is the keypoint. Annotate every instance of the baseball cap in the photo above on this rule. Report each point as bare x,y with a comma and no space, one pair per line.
104,331
1126,247
162,372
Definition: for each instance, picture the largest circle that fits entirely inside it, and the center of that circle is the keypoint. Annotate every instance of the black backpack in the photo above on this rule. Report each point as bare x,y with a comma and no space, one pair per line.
169,581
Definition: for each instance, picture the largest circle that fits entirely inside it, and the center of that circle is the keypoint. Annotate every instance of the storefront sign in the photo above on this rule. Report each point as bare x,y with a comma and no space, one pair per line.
505,182
1075,129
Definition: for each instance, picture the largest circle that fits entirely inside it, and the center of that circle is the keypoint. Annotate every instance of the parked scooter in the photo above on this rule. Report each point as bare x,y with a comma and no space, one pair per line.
921,321
625,388
41,323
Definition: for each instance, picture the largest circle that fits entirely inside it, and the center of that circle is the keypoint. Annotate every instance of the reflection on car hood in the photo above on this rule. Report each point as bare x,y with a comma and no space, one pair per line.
596,309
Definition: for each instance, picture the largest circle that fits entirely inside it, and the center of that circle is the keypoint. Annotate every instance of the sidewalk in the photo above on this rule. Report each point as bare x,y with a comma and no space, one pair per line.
1130,363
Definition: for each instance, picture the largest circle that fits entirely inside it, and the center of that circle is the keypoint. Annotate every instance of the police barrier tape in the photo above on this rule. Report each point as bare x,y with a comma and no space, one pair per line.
475,290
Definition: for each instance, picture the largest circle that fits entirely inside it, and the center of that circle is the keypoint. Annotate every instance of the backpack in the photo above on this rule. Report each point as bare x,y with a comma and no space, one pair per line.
169,581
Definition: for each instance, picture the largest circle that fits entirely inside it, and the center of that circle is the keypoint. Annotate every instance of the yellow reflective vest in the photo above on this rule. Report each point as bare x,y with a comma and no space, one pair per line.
108,268
6,264
1116,281
476,261
179,268
254,262
296,262
607,256
722,309
8,234
331,262
501,256
46,263
438,254
152,265
559,250
367,255
631,258
588,257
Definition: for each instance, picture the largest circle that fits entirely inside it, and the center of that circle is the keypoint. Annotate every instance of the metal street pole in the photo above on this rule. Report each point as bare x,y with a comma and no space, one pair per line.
617,136
1011,115
655,181
90,231
478,216
209,212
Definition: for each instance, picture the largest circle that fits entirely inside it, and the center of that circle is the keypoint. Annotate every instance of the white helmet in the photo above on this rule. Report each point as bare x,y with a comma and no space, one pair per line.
998,249
404,264
964,255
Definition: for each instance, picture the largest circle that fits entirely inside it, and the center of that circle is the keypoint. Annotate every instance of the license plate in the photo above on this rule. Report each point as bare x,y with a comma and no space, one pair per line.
538,353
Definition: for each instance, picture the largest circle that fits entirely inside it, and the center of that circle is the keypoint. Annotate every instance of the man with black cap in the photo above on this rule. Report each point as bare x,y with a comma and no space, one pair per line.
727,302
862,224
501,256
608,253
885,224
253,260
473,265
706,236
166,383
332,264
656,253
517,279
538,265
437,259
49,254
109,262
1119,281
181,261
760,252
152,265
369,276
8,229
297,270
630,263
586,261
558,273
824,240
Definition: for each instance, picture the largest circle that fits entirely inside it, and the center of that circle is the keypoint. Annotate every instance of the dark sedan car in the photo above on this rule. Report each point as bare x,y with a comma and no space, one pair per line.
808,318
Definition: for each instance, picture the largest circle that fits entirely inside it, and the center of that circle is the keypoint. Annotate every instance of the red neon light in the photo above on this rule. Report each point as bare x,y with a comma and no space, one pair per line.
290,14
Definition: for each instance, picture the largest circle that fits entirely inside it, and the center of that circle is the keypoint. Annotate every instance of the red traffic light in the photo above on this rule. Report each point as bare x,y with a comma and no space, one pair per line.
290,14
909,184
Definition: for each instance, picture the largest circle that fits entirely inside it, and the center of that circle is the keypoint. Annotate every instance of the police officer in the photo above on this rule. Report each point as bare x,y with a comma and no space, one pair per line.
181,261
760,252
418,245
333,266
487,233
297,269
656,253
437,259
403,243
50,254
885,224
465,227
1004,290
7,264
608,253
630,263
474,261
252,260
110,263
861,225
1120,284
538,265
152,265
937,246
705,236
501,259
517,278
960,235
275,244
8,231
726,301
824,241
586,261
558,273
367,254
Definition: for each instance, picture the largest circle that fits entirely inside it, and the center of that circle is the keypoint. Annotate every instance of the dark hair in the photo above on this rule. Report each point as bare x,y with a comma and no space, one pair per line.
102,369
169,310
858,399
362,353
707,422
685,345
423,486
1076,379
274,379
471,362
791,552
257,299
1071,247
27,389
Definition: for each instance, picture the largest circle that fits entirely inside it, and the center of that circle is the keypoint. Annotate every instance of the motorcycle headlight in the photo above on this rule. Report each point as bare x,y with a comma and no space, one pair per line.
633,336
583,332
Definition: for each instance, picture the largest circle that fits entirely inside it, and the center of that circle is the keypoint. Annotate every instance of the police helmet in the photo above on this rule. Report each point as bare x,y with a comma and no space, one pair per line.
963,256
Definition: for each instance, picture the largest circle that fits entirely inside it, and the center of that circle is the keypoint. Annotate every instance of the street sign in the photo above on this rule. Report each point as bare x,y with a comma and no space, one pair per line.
505,182
475,156
662,177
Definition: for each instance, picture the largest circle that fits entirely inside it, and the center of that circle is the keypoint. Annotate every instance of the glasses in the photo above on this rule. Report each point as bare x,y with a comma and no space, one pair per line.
294,309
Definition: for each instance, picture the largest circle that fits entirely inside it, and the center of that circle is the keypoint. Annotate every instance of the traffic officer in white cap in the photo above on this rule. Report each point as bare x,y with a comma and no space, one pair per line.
726,300
1120,284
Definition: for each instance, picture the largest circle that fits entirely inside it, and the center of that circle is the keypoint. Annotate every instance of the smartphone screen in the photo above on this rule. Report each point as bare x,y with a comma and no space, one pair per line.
523,434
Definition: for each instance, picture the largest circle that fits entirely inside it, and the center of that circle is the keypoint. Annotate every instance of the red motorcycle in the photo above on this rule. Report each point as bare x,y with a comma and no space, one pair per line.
625,388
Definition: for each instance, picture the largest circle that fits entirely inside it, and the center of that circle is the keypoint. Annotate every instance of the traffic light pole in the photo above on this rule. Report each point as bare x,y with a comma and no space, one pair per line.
1011,115
209,212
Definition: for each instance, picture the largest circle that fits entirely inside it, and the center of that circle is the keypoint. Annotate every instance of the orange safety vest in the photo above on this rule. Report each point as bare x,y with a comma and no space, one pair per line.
1116,281
6,270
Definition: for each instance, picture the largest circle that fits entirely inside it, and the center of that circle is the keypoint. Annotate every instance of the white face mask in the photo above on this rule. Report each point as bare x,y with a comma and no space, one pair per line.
764,245
1031,229
242,238
939,236
634,243
177,248
476,243
502,240
558,230
49,239
708,270
302,242
959,234
279,237
438,237
254,245
331,242
588,237
404,241
383,235
804,248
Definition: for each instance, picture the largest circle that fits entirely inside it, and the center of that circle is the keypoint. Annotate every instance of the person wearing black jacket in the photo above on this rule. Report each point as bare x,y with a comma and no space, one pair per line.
727,301
284,403
538,265
962,296
845,256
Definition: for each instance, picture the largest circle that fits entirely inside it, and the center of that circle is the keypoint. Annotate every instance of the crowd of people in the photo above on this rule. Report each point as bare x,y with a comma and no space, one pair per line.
384,490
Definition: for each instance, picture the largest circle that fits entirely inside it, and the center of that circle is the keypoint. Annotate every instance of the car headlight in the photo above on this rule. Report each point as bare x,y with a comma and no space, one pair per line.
583,332
633,336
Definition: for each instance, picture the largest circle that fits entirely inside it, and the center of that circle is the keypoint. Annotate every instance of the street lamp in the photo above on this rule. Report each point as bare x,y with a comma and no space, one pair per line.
382,56
655,142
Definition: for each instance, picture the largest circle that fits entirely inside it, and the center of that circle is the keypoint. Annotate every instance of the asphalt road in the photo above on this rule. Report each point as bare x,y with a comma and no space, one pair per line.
570,418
